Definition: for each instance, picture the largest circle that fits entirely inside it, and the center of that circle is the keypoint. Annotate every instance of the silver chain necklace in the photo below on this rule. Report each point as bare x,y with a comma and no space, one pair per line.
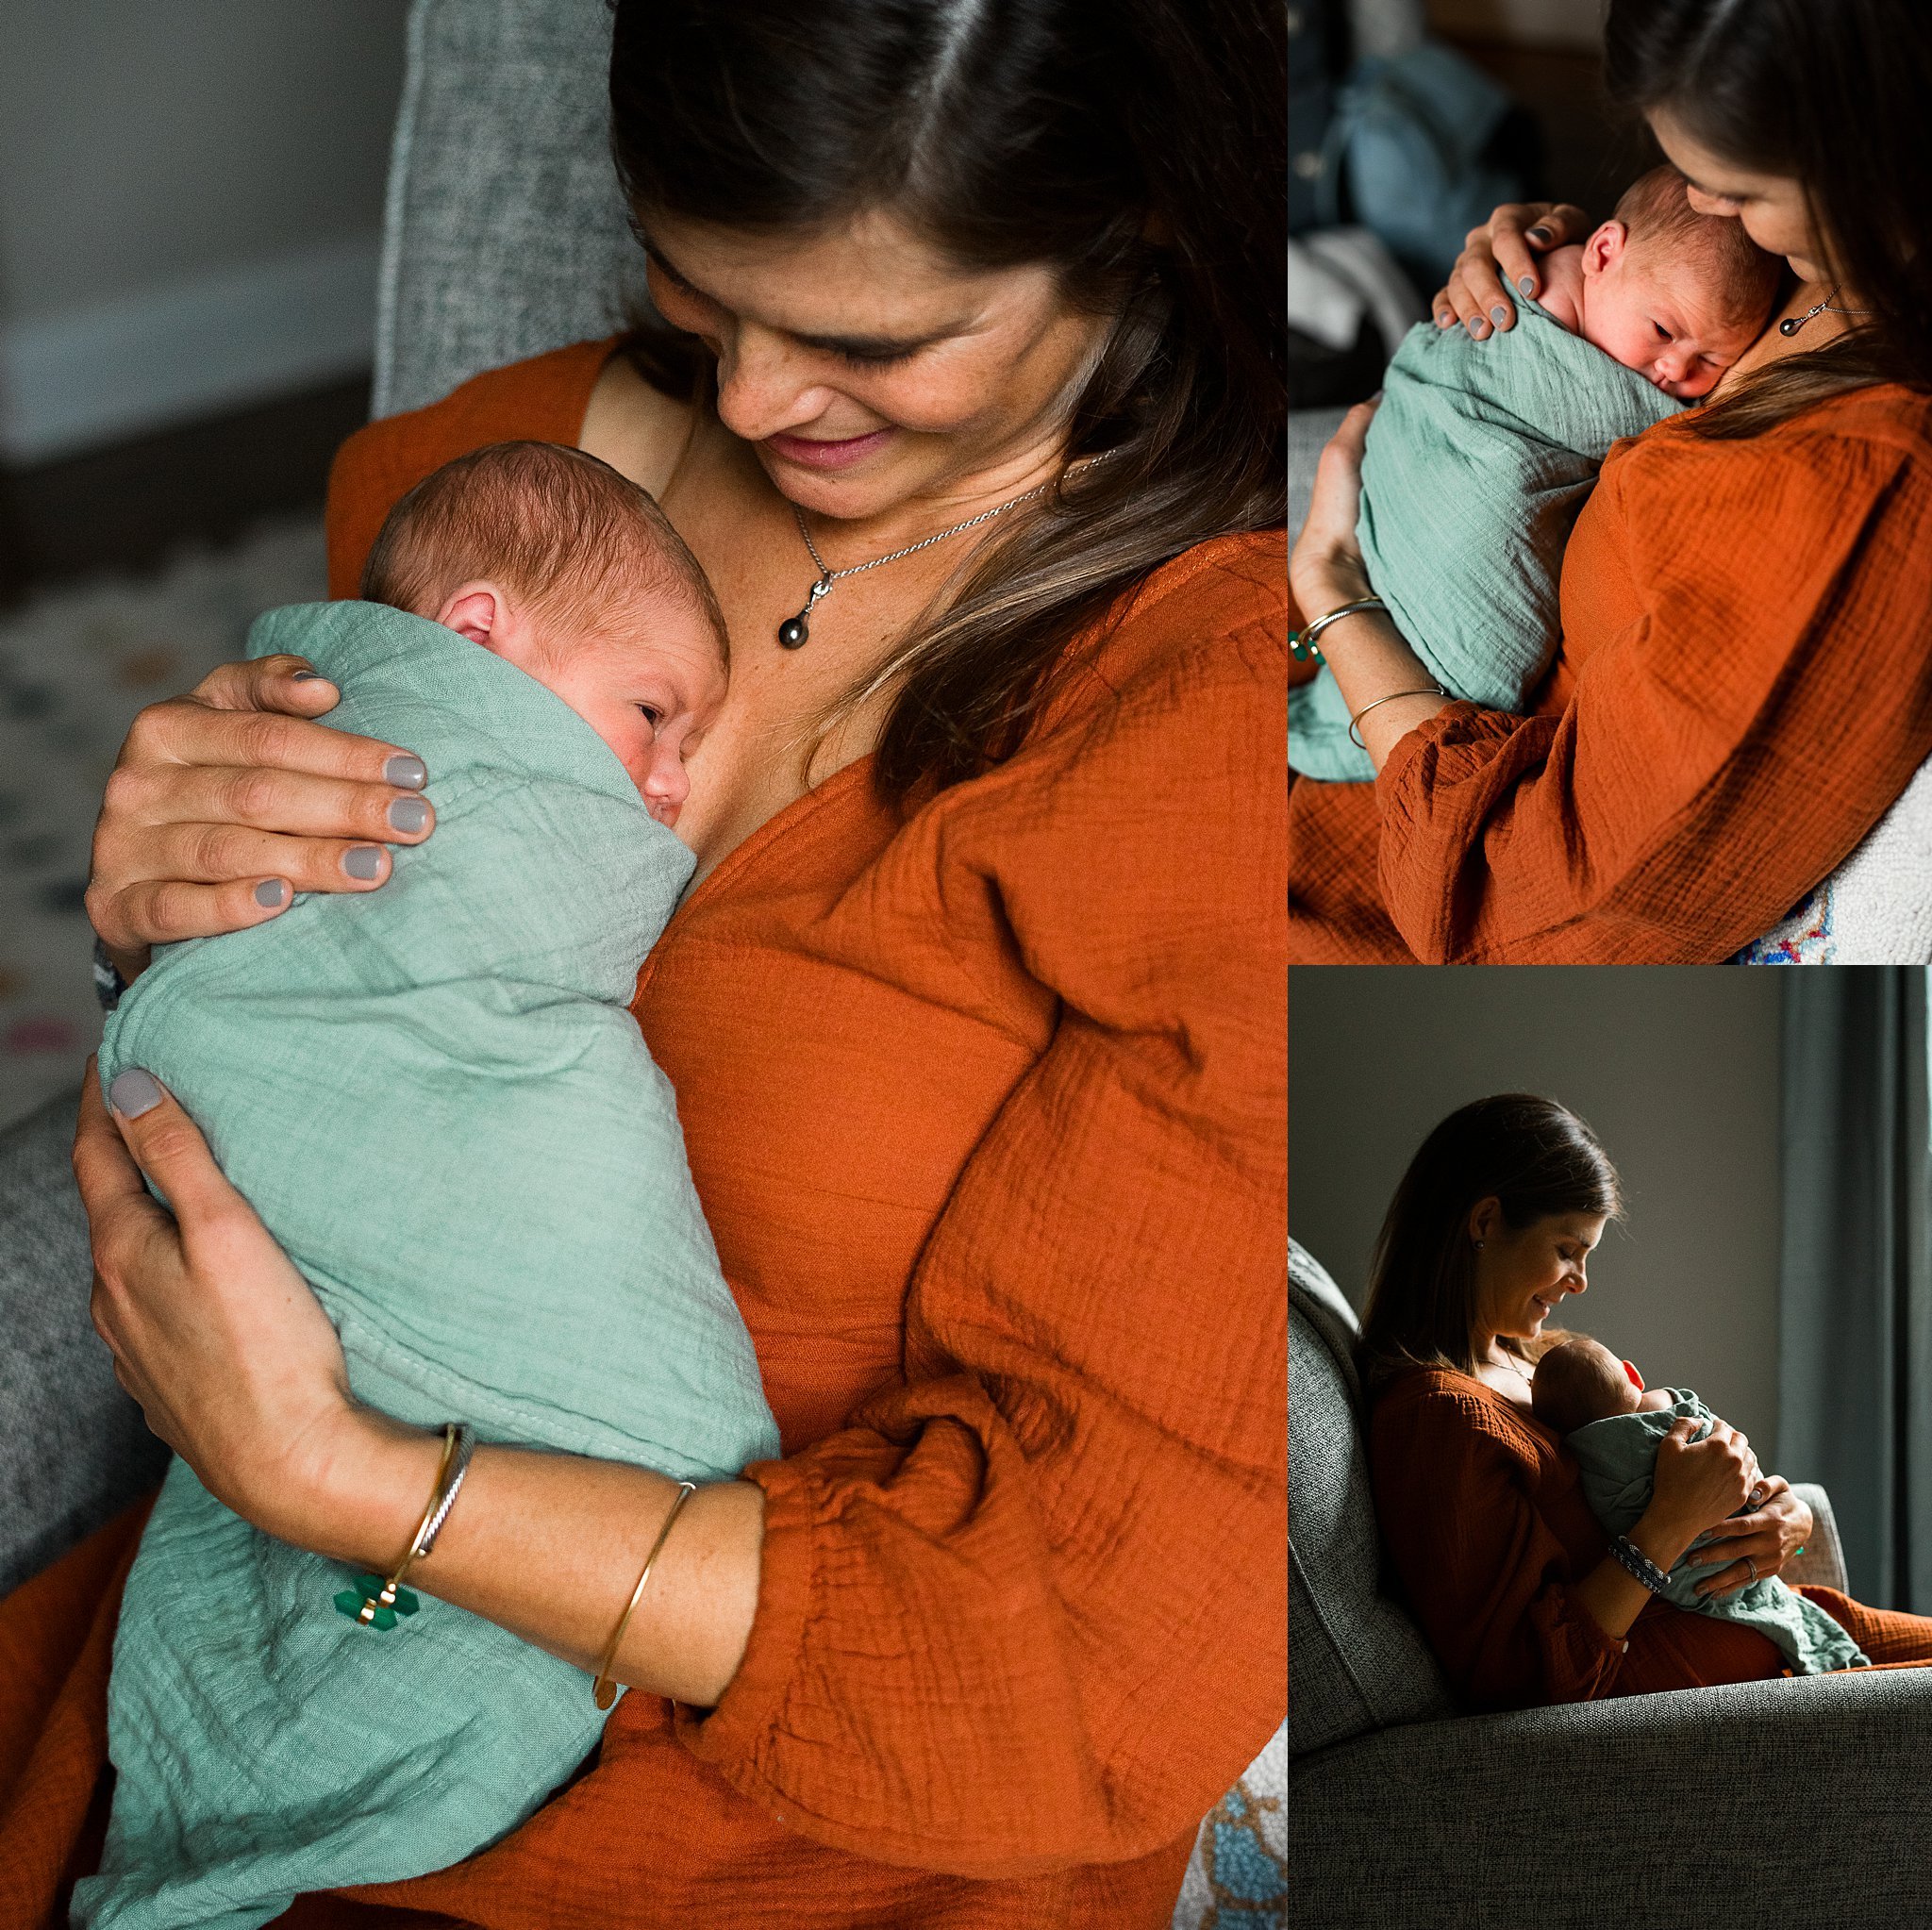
794,630
1790,326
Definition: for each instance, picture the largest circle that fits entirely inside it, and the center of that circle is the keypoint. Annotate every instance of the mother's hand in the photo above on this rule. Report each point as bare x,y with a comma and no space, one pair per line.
1758,1544
223,800
1326,569
1504,248
1698,1483
213,1329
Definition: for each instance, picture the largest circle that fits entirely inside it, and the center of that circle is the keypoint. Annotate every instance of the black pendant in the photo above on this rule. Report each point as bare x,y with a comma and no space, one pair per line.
792,632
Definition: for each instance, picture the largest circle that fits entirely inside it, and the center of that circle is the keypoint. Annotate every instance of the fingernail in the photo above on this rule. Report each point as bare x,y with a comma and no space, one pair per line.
1479,327
271,891
363,862
134,1092
408,814
1539,233
405,771
1446,319
1526,284
1499,314
308,676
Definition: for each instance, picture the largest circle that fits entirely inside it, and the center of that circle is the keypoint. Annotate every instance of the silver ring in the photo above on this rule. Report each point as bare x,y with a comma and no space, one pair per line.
1752,1566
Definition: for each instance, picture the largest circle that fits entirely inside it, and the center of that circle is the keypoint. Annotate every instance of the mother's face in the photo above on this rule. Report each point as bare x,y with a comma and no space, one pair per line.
1771,206
1522,1275
864,368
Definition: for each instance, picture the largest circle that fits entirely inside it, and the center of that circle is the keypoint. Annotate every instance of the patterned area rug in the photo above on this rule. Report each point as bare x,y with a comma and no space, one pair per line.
75,665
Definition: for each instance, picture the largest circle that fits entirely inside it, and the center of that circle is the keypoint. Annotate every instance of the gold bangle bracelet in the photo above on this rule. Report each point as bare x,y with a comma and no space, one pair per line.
377,1601
1354,737
604,1691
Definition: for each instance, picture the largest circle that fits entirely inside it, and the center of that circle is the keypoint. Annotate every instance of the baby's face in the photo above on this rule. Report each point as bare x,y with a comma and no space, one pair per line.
1657,310
650,695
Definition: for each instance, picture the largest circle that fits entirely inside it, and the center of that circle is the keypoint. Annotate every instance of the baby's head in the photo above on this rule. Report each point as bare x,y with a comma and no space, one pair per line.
561,566
1673,293
1579,1380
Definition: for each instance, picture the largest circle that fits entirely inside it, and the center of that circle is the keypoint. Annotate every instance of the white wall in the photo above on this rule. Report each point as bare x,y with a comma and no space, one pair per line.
189,199
1526,23
1675,1069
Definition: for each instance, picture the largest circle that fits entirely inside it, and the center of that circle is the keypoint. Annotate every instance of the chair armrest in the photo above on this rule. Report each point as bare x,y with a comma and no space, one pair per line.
1822,1562
1642,1808
73,1449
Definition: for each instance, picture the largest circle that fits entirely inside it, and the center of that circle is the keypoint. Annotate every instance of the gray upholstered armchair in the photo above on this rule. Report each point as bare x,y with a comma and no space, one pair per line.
1808,1794
504,236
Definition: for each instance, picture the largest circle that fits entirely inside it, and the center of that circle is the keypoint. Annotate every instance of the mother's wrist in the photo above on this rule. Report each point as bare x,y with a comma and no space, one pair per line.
1327,587
358,1495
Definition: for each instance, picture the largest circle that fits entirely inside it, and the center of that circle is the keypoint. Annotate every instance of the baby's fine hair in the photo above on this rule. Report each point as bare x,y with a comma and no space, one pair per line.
1577,1381
581,542
1657,208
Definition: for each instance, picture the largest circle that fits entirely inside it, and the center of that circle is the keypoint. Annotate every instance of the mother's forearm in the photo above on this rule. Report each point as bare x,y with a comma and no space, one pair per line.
1371,664
549,1546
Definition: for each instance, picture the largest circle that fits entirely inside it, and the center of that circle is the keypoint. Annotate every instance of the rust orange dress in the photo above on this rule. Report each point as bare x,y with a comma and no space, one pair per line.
986,1106
1483,1513
1744,686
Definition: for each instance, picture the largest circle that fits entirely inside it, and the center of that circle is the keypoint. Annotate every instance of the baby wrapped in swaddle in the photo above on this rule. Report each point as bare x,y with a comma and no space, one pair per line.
1612,1425
1483,452
436,1098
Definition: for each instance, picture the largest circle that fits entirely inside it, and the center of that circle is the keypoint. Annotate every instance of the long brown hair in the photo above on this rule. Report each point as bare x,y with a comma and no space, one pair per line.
1139,147
1832,93
1537,1159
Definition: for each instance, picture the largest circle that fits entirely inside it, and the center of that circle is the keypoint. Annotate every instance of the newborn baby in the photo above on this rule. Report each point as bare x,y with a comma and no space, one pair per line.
1599,1406
1483,452
438,1100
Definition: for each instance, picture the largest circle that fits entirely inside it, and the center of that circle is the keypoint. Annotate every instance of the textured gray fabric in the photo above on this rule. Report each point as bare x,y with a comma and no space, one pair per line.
1308,430
1855,1302
73,1448
1799,1795
1356,1661
505,233
1822,1562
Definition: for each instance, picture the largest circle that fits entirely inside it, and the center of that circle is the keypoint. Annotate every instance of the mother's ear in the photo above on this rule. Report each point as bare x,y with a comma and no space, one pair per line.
1484,1218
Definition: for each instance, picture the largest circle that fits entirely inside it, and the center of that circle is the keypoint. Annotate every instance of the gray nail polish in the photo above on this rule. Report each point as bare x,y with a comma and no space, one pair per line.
405,771
363,862
1446,319
408,814
134,1092
1499,314
1538,233
271,892
1526,284
1479,327
308,676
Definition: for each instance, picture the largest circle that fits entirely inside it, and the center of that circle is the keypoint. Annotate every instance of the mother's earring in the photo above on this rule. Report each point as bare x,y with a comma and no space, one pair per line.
1478,1246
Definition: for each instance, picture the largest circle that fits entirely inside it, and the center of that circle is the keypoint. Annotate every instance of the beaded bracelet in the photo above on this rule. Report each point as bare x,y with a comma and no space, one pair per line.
1638,1564
376,1601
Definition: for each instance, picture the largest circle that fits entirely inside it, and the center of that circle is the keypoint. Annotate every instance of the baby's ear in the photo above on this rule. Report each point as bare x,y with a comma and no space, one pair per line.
1605,247
476,610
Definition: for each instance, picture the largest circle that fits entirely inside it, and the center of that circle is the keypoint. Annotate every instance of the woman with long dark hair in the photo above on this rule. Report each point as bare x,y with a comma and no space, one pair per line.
1744,680
967,394
1506,1568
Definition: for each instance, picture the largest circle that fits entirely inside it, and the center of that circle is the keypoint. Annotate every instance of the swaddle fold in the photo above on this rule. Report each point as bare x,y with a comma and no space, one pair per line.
435,1096
1618,1459
1475,467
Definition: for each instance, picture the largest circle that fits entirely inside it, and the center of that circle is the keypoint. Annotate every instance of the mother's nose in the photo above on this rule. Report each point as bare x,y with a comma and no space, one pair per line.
765,387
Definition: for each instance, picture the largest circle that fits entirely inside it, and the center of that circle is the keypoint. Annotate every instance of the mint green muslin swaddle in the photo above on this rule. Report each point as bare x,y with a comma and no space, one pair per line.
436,1098
1618,1459
1476,464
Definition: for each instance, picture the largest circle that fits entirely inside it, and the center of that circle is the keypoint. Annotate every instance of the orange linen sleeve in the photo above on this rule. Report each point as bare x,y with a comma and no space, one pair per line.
1727,747
1030,1610
1483,1574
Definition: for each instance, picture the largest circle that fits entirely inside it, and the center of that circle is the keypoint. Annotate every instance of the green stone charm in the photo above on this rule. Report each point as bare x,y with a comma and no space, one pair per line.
352,1601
